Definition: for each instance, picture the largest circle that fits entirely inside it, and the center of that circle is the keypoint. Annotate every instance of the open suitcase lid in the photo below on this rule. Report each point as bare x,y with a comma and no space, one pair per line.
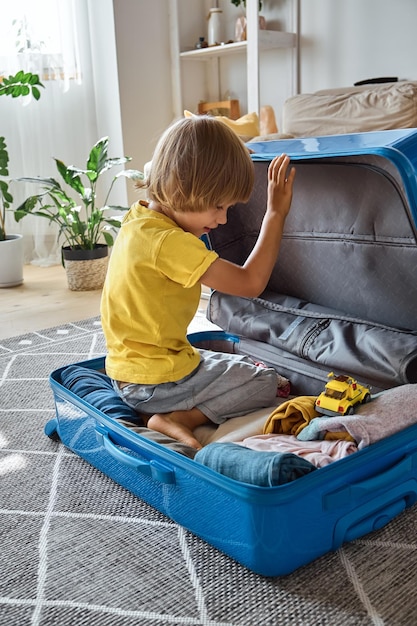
349,241
397,146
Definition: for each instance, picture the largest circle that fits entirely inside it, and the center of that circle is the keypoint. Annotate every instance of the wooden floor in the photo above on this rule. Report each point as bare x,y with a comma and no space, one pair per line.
44,301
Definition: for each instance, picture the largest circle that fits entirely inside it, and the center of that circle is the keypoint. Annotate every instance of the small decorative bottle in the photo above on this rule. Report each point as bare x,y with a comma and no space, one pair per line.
215,35
201,43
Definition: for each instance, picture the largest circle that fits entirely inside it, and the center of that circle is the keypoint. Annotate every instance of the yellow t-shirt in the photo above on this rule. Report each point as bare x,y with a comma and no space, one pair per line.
150,296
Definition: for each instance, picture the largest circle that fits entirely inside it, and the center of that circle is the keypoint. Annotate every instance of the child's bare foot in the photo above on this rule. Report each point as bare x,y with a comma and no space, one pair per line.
179,425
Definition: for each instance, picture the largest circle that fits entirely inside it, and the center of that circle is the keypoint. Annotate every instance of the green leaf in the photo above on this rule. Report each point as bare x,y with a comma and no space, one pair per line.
108,238
3,166
113,221
70,176
5,195
97,159
34,80
47,182
36,93
132,174
25,208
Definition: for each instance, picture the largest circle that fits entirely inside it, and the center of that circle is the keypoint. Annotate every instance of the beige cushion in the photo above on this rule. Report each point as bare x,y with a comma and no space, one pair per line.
354,109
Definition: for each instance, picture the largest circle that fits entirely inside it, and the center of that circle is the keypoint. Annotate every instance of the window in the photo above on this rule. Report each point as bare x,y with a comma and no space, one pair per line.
40,37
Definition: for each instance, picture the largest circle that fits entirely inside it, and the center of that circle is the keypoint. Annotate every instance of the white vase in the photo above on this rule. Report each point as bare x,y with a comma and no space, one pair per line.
11,261
215,27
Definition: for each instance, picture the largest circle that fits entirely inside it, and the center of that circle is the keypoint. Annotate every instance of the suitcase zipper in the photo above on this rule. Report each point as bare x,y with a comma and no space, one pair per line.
311,335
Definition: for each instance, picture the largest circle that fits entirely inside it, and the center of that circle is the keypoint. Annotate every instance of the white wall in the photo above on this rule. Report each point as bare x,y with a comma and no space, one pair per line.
143,54
342,41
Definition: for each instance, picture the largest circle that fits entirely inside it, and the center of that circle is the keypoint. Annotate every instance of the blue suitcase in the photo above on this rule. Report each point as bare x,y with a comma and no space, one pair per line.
343,297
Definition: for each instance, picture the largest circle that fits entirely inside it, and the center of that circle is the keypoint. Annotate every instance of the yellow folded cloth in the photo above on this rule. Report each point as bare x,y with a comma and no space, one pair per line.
292,416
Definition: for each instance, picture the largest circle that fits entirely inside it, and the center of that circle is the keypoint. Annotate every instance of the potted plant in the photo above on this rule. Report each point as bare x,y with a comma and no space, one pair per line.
85,228
11,245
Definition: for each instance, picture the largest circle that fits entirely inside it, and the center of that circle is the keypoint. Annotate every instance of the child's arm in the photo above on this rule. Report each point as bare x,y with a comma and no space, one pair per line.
251,279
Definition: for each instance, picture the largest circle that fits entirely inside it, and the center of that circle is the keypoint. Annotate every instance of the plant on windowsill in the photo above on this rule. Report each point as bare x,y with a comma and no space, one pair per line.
21,84
85,228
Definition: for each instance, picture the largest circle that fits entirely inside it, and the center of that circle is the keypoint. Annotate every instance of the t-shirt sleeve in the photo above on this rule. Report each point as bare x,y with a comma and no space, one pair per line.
184,258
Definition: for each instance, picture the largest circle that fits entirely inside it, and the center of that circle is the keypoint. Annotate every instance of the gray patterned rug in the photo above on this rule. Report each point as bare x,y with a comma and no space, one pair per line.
77,549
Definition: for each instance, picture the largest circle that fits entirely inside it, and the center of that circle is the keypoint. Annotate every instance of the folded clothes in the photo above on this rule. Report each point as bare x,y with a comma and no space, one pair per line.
265,469
96,388
388,412
292,416
319,453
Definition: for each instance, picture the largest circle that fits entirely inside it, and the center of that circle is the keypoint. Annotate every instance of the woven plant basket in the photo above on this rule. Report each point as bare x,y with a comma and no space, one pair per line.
86,269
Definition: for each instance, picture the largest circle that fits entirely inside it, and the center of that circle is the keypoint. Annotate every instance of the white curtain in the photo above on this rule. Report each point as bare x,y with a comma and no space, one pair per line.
64,122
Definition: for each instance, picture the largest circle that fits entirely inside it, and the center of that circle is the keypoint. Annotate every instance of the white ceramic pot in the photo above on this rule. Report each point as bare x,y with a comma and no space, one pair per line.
11,261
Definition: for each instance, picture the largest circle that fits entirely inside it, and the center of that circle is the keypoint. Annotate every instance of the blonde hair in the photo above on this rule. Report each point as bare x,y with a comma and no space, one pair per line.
198,163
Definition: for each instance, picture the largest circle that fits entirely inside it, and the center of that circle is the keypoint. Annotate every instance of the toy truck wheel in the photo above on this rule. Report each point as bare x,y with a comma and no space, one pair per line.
350,410
367,398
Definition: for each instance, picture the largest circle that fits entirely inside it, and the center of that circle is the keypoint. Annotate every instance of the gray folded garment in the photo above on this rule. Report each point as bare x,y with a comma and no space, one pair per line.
265,469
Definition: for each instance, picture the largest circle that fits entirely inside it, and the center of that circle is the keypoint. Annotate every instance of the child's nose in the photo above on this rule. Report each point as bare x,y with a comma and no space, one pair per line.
222,217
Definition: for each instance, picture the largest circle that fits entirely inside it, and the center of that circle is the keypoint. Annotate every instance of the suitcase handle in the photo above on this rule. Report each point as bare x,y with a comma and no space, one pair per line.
383,480
153,469
374,514
377,512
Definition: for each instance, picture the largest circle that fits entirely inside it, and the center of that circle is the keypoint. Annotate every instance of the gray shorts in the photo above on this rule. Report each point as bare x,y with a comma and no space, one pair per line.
222,386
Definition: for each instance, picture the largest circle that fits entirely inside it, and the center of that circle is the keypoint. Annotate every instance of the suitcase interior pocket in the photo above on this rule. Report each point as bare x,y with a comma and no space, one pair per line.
298,335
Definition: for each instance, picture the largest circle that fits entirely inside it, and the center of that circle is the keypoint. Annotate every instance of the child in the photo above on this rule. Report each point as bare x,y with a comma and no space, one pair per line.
153,286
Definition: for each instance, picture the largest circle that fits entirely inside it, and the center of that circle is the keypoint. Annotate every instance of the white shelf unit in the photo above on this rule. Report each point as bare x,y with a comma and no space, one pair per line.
257,41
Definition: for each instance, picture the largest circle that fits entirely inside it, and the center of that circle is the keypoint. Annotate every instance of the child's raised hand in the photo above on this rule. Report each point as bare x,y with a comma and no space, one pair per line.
252,278
280,185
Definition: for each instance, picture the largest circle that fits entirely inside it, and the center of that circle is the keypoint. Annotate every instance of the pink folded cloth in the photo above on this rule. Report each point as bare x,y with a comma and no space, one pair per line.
319,453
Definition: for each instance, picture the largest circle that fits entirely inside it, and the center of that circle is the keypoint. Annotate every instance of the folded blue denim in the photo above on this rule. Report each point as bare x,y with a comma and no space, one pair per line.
96,388
265,469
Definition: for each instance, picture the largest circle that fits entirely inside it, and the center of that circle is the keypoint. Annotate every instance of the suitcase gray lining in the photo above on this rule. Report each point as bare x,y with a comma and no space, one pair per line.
343,293
380,355
349,243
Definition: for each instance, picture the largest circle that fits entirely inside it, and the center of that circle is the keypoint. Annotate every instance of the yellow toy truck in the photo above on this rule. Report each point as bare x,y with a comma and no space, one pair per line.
341,395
